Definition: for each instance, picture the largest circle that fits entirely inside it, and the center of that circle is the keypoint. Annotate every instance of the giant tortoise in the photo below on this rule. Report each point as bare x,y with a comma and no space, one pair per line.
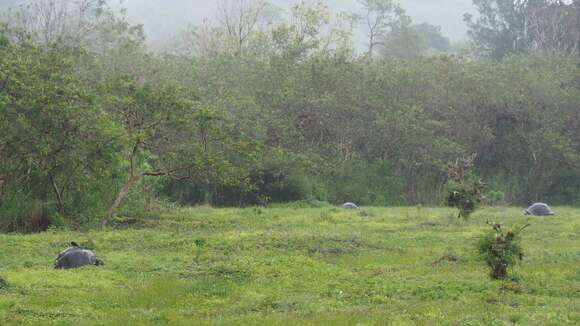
349,205
75,256
539,209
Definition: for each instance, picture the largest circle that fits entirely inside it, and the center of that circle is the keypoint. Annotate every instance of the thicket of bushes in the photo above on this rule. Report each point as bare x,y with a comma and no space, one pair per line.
101,124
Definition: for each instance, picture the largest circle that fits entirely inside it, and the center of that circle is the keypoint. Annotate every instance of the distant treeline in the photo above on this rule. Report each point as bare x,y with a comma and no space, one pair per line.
268,109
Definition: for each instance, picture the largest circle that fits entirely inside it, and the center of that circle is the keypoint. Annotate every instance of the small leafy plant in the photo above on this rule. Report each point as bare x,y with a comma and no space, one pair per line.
4,284
463,190
501,250
199,245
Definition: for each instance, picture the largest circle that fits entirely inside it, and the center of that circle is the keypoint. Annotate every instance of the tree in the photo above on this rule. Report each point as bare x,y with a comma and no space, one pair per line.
404,42
54,138
240,20
433,37
500,27
238,28
308,31
463,189
554,26
380,17
153,117
501,250
91,24
506,27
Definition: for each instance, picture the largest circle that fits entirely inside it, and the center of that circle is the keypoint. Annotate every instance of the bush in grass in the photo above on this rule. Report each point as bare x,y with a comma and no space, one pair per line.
3,284
501,250
463,190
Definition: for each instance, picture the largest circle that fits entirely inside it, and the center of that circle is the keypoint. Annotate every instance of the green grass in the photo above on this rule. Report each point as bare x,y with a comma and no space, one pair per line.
279,266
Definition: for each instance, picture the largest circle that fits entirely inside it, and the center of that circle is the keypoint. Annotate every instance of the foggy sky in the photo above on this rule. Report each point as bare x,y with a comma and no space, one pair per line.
164,18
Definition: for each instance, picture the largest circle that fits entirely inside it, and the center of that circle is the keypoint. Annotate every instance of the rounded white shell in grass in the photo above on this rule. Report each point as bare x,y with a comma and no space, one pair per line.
74,257
539,209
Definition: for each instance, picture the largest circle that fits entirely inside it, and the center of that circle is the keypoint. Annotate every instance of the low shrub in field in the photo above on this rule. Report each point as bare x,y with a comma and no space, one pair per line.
501,250
463,190
3,284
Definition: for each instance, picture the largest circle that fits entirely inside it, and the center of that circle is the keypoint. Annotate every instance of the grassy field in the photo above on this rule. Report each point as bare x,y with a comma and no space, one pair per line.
307,266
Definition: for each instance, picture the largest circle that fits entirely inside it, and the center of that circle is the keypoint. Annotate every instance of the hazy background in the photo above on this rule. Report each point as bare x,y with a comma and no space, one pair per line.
163,18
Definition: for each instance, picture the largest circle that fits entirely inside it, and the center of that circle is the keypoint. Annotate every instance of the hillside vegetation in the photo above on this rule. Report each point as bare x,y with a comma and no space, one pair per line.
94,124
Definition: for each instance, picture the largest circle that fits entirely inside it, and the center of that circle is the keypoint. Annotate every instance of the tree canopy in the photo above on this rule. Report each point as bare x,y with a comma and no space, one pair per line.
284,109
506,27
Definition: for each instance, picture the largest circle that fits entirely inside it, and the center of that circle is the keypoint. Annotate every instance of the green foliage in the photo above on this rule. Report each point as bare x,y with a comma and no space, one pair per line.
463,190
501,250
364,184
404,42
382,19
56,220
433,37
268,177
287,111
495,198
341,111
54,137
4,285
96,25
281,185
463,196
507,27
21,213
284,177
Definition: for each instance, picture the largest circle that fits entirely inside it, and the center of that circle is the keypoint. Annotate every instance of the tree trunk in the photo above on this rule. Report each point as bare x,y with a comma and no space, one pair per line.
499,271
133,178
147,199
119,198
57,193
2,181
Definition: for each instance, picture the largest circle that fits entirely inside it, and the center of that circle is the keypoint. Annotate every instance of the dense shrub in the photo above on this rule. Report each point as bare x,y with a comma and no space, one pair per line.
280,178
494,197
364,183
288,117
3,284
464,189
501,251
20,212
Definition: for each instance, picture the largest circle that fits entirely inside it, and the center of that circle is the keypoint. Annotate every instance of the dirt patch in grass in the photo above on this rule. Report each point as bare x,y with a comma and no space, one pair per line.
446,257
